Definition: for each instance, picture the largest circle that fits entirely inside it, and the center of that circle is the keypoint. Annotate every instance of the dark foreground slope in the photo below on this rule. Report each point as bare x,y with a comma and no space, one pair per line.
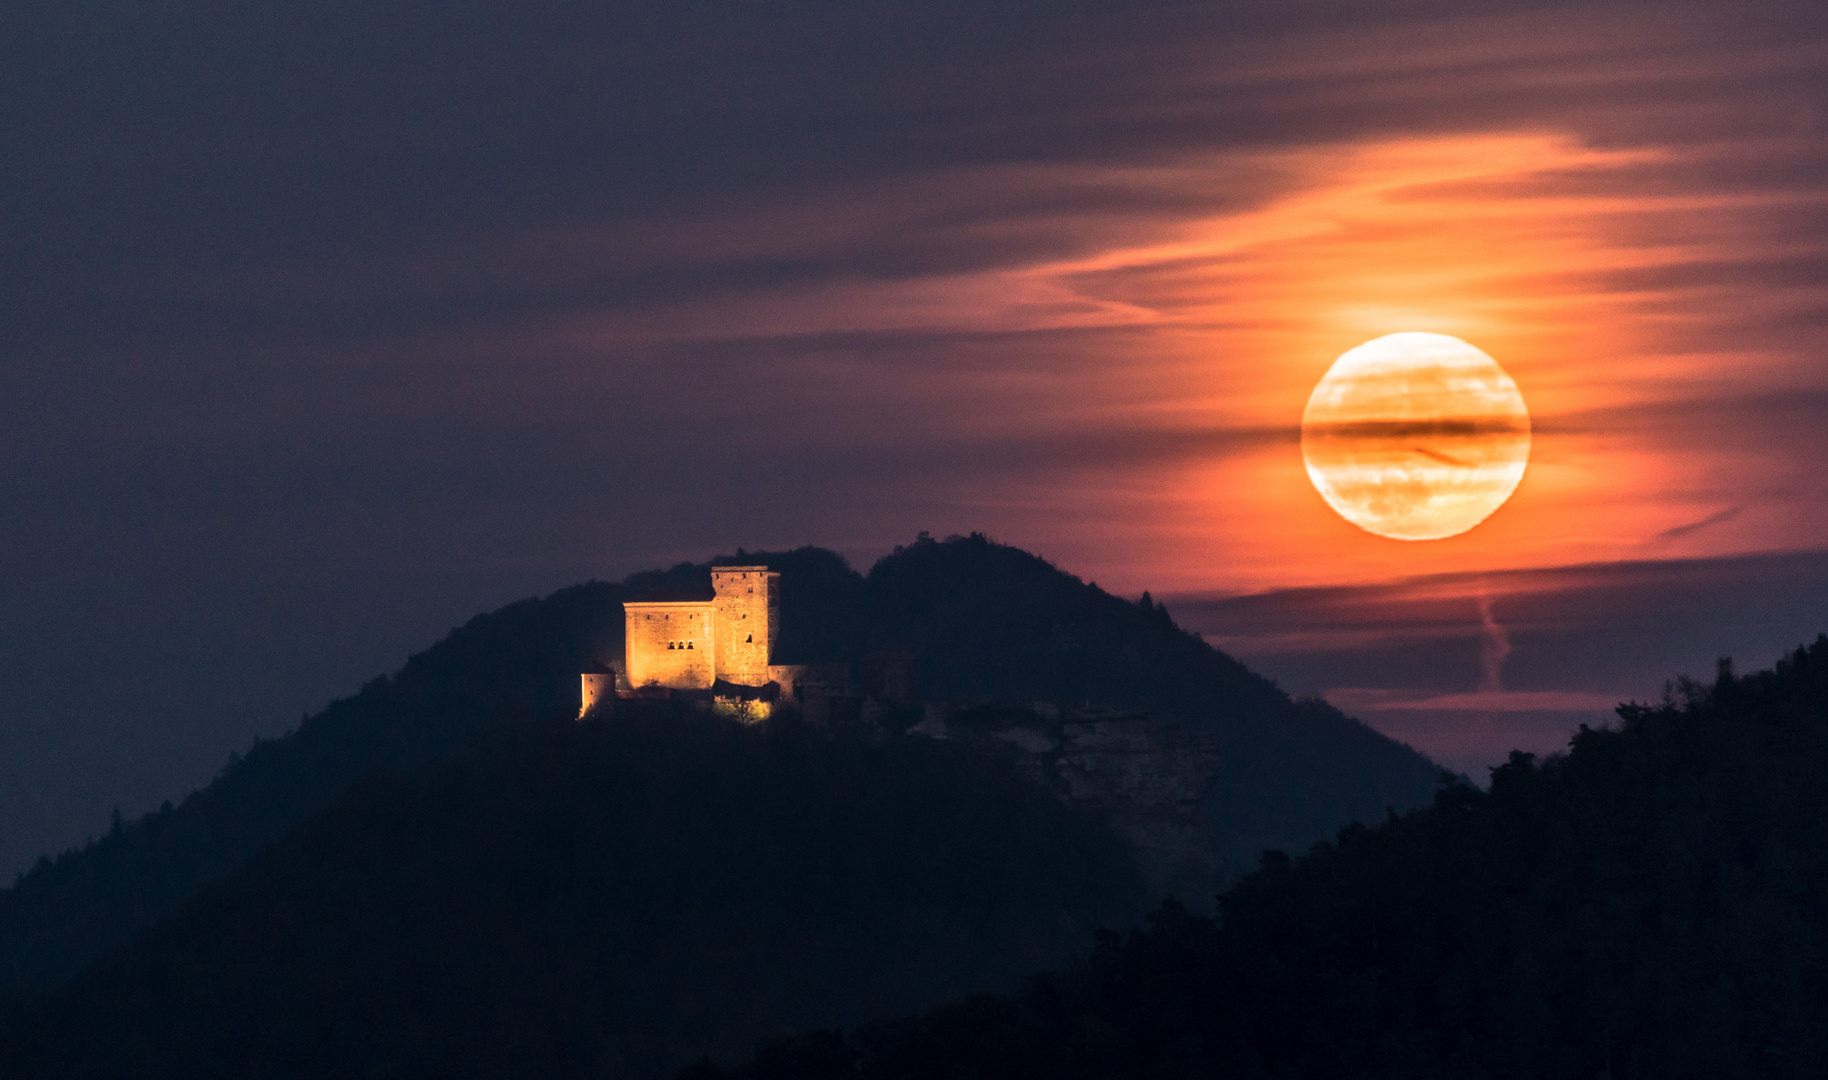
1653,905
611,898
986,621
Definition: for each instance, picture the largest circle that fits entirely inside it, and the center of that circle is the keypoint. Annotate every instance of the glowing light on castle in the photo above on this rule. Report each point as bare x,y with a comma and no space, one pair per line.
720,652
693,644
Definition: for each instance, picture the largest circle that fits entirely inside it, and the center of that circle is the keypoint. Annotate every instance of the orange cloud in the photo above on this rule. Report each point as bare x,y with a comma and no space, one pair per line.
1187,308
1541,252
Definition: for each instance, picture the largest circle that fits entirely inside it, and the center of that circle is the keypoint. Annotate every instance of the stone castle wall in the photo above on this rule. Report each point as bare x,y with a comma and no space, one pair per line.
831,677
671,644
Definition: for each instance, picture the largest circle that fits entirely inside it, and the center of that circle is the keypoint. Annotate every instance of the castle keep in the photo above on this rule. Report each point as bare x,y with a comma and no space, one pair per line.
720,650
692,644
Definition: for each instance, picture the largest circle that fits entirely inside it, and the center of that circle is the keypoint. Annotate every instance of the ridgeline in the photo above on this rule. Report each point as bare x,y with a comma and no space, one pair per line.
985,620
447,875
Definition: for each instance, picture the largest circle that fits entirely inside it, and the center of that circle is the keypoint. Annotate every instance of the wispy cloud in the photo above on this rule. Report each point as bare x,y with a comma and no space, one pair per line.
1353,699
1495,650
1415,658
1680,531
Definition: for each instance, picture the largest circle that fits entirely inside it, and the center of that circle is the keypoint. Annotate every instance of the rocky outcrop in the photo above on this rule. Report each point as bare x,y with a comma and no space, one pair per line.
1148,778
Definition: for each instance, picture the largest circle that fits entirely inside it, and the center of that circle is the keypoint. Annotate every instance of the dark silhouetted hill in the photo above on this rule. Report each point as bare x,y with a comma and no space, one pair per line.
612,898
985,621
988,620
521,659
1652,905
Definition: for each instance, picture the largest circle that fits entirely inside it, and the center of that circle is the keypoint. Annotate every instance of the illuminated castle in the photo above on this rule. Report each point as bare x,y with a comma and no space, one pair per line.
725,643
692,644
721,651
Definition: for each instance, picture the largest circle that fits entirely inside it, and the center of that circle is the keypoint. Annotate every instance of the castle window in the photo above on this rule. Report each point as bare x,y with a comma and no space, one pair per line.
669,646
688,644
750,640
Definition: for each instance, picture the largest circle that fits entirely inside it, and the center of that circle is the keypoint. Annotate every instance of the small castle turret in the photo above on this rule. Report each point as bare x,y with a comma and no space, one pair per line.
598,694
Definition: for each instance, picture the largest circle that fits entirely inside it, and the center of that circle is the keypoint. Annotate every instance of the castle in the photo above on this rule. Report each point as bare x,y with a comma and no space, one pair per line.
694,644
723,645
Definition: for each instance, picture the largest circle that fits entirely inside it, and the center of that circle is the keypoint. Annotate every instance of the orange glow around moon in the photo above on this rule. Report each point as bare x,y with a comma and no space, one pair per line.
1416,436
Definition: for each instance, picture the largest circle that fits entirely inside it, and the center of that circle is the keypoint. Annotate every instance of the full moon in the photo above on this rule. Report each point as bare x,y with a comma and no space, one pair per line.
1416,436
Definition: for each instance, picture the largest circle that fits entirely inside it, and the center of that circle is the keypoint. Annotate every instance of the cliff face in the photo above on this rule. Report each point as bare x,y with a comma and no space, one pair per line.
1149,779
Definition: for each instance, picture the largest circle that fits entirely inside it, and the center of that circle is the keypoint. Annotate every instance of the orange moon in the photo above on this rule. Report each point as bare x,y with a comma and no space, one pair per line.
1416,436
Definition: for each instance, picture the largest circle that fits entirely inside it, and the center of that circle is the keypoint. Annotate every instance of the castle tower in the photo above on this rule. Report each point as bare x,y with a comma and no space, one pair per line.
598,693
747,607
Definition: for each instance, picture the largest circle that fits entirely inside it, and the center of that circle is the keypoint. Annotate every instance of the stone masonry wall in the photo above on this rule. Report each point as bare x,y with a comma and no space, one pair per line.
747,607
671,644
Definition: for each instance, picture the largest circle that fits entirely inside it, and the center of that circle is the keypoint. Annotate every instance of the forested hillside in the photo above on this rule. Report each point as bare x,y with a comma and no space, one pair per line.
516,661
611,898
984,619
1651,905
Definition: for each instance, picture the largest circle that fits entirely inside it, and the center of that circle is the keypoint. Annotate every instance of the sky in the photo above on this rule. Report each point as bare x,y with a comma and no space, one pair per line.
324,326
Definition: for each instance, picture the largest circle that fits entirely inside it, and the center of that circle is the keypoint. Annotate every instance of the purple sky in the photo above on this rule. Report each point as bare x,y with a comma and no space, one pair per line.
326,325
